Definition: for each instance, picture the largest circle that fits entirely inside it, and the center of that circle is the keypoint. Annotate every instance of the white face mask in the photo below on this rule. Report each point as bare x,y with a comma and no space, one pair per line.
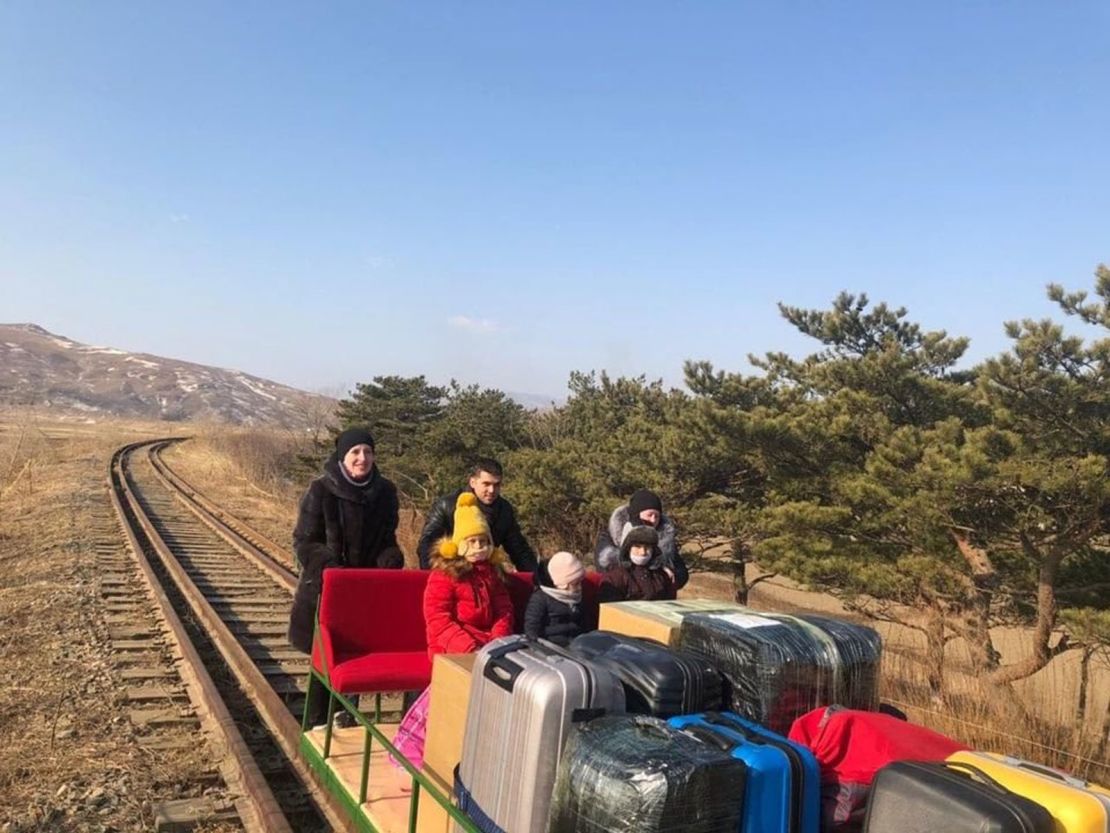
475,550
640,560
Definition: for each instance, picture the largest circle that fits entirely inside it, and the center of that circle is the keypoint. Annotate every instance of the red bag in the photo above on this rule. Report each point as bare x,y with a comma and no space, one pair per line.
851,746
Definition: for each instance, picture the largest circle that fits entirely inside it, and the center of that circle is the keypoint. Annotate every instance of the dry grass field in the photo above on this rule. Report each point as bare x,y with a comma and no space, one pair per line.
69,762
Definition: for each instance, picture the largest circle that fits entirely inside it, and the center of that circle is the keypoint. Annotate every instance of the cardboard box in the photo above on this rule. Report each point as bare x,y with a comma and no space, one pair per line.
660,621
430,817
447,715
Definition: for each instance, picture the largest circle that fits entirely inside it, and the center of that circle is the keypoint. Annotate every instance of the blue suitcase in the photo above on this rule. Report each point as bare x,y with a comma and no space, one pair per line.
783,791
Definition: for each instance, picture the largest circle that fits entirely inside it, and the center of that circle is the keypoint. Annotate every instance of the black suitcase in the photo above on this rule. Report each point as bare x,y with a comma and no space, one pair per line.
657,680
913,797
861,650
778,667
636,774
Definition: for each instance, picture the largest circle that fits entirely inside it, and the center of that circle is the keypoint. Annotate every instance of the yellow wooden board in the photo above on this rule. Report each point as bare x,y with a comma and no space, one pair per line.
447,706
432,818
390,788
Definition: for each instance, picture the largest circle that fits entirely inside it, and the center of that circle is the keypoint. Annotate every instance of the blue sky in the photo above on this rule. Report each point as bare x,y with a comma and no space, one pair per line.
505,192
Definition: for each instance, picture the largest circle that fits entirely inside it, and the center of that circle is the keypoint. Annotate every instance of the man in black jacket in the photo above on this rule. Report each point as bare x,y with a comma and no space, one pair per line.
485,483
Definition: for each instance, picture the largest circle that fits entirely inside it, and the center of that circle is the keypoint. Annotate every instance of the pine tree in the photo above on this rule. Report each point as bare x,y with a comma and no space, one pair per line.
1052,513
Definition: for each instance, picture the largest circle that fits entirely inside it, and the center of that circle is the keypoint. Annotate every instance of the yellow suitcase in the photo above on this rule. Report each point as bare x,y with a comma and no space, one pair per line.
1075,805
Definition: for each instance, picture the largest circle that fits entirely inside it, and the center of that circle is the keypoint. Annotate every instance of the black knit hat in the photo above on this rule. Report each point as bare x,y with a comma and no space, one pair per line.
350,438
641,500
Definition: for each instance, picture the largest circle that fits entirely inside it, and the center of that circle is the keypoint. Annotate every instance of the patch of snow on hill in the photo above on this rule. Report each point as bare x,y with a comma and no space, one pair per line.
187,383
78,405
254,388
143,362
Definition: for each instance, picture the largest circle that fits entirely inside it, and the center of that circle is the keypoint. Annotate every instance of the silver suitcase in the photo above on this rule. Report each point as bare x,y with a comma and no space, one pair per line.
524,697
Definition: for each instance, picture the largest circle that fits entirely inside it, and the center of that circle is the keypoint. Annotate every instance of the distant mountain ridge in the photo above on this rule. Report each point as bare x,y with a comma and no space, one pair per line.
535,401
42,369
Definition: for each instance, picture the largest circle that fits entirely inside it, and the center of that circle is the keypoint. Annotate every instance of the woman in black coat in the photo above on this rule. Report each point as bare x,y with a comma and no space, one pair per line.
348,518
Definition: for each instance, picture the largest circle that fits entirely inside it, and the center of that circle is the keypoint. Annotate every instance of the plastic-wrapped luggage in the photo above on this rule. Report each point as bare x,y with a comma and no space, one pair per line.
782,794
860,649
851,746
917,797
1076,805
636,774
524,698
778,667
657,680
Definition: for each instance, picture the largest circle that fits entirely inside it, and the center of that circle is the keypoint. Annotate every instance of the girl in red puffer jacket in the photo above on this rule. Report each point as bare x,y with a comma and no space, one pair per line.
466,603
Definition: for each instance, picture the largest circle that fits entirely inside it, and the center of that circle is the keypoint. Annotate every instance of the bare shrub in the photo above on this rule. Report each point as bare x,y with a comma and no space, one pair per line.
410,525
266,457
24,448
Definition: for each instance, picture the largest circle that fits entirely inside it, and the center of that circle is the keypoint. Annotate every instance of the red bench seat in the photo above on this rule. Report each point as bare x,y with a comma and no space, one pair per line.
371,635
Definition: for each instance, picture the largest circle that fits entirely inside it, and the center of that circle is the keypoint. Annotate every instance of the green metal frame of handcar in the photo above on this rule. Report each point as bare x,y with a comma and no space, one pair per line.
352,803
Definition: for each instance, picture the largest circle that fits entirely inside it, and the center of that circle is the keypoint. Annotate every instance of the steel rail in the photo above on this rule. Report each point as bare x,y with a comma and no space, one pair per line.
218,521
281,723
257,538
258,808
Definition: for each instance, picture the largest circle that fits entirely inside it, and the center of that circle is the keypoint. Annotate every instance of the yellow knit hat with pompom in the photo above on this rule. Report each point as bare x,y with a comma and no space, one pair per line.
469,522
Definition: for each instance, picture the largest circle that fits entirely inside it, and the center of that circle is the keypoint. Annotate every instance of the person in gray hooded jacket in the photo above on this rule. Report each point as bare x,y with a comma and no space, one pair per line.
644,508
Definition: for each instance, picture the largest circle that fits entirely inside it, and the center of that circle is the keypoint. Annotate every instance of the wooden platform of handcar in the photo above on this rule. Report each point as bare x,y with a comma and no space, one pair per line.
389,790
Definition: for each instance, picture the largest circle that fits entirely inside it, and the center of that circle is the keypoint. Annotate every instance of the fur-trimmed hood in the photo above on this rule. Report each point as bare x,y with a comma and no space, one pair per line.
607,553
627,544
619,524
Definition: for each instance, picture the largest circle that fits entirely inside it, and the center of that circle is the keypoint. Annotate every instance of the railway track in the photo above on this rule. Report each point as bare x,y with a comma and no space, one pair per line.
223,593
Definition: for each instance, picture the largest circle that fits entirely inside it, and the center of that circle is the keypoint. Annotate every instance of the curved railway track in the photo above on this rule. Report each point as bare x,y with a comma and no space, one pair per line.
224,593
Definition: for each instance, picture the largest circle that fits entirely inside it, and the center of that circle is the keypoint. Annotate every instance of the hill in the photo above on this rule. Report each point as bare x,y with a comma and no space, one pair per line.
41,369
